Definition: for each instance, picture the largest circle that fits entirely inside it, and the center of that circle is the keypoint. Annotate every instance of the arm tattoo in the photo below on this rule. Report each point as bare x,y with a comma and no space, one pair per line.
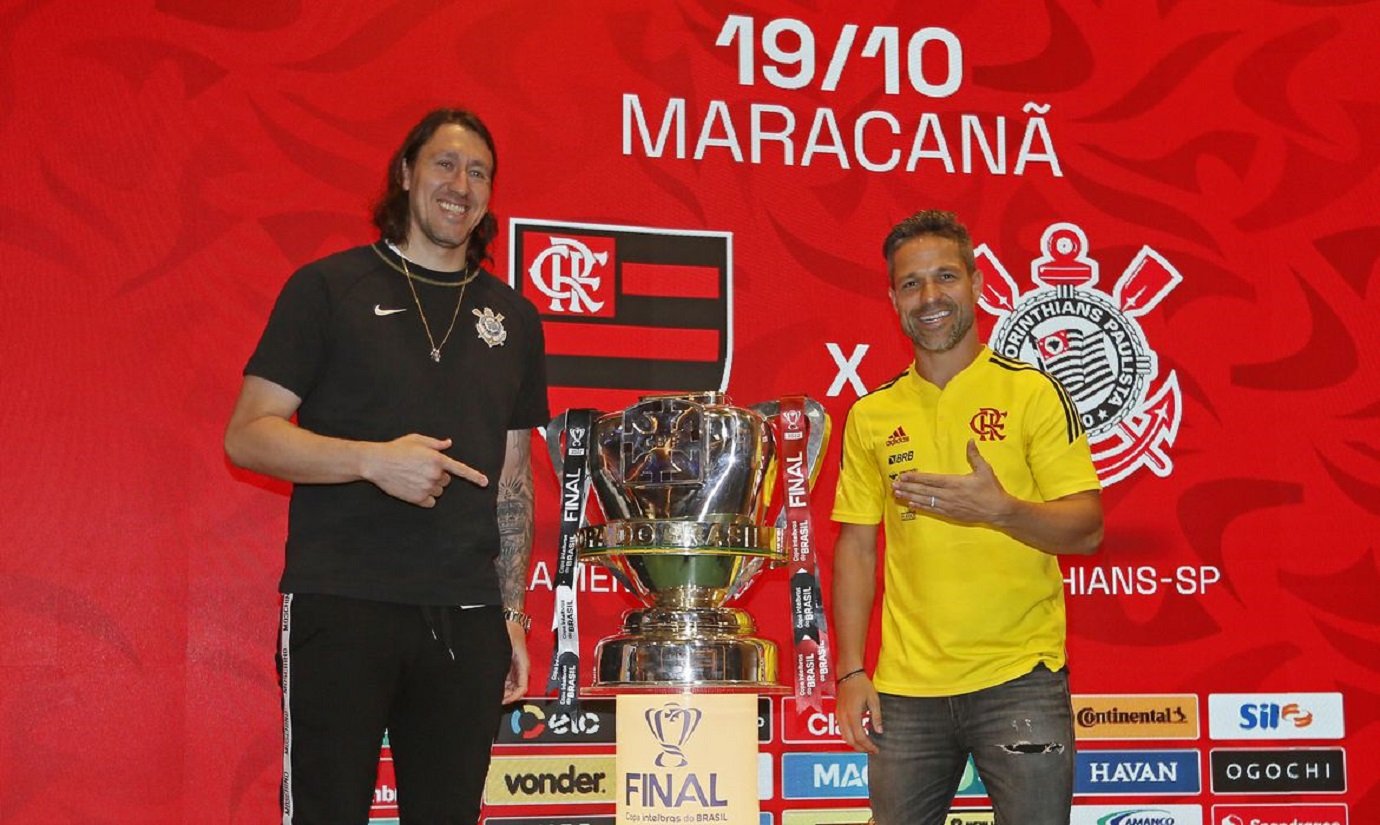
515,525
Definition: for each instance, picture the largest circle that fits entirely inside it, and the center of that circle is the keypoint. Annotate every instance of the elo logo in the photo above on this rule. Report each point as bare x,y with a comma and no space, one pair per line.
539,722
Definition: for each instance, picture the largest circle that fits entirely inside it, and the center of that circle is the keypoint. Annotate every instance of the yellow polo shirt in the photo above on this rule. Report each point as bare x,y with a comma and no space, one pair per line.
964,607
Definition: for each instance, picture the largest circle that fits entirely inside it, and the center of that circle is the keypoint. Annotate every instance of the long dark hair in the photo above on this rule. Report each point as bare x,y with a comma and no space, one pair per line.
391,210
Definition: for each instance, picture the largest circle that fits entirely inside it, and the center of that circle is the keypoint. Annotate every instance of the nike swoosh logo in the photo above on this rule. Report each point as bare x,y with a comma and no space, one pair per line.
378,310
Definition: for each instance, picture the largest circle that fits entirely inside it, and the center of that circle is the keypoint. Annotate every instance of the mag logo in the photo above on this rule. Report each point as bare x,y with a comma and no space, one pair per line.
1280,771
824,776
1302,814
626,308
844,776
1275,716
1092,343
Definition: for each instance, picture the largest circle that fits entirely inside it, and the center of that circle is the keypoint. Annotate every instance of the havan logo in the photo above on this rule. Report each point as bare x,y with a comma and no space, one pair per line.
1138,772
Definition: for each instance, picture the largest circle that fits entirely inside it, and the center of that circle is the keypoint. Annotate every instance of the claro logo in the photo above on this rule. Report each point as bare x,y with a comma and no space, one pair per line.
524,780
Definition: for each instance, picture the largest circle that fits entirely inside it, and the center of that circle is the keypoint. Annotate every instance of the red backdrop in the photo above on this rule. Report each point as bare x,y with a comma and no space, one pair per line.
167,164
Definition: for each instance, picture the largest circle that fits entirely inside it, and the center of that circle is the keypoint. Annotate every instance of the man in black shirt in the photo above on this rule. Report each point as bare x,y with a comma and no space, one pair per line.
415,378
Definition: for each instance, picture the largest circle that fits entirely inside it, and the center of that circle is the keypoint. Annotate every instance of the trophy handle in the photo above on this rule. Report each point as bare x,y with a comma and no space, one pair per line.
820,426
553,432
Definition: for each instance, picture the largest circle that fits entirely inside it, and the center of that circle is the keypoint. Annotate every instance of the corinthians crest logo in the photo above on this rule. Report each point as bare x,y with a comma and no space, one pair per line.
1092,343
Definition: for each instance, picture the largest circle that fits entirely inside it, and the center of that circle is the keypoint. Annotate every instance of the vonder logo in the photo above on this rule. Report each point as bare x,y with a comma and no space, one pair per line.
521,780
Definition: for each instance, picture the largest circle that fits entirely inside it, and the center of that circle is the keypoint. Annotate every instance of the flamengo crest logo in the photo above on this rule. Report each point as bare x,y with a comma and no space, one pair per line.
1091,342
632,309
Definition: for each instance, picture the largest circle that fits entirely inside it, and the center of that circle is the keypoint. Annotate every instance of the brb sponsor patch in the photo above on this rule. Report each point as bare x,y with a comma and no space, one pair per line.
1092,343
626,308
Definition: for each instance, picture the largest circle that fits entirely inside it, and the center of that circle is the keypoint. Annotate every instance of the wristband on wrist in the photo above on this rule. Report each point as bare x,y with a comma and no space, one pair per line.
849,675
522,619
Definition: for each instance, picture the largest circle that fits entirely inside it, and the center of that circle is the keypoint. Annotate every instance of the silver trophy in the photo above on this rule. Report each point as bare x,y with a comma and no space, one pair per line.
684,483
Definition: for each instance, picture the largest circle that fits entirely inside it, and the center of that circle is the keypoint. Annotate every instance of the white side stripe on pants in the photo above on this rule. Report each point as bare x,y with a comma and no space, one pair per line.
284,636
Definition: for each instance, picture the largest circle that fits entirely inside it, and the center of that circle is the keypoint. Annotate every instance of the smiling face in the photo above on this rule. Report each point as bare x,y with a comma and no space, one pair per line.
448,188
935,294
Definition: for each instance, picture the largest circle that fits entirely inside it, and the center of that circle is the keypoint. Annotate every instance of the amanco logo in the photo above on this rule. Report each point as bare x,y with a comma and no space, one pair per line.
1277,819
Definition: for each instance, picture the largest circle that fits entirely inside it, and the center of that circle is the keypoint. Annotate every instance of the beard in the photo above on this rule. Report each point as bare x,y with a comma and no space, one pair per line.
941,339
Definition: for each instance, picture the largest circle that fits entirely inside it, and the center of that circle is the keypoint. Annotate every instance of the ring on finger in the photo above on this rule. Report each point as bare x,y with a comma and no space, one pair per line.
932,503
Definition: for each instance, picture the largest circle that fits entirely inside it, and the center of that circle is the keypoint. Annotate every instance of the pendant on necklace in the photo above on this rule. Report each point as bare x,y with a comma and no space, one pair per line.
436,355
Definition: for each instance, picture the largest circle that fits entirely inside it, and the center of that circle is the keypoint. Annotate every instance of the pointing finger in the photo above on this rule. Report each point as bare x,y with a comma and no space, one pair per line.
466,472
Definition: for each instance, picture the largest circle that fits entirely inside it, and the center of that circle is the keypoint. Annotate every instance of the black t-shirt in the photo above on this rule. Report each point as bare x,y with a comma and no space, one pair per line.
364,371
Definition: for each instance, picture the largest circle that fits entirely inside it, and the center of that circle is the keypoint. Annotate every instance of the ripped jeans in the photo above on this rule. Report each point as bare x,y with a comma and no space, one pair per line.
1020,735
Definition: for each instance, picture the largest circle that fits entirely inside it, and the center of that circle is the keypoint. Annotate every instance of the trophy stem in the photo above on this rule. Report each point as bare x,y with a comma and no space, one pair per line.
686,649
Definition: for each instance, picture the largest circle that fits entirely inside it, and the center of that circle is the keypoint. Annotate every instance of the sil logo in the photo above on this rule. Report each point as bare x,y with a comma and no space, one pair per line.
1093,344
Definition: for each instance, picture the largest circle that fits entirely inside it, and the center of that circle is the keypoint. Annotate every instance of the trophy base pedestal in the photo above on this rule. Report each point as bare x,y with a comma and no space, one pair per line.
682,650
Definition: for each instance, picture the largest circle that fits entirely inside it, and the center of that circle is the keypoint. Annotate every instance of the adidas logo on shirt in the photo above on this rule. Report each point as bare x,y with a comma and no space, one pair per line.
898,436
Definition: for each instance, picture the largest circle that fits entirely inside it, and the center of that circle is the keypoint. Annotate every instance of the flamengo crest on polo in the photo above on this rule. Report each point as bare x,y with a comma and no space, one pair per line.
1091,342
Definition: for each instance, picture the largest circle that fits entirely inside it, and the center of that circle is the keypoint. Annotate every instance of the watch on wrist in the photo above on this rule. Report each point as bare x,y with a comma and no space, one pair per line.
523,620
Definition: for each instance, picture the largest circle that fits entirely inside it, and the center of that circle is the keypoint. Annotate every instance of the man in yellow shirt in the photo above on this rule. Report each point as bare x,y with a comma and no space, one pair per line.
979,470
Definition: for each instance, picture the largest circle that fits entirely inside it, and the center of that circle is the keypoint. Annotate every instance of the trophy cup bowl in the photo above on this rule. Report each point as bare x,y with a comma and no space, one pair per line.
684,482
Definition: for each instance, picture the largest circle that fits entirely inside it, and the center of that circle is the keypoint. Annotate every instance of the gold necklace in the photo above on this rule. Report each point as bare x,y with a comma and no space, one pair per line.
464,283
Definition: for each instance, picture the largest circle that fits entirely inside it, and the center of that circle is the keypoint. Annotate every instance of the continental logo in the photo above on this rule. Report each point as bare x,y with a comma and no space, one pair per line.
1153,716
528,780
